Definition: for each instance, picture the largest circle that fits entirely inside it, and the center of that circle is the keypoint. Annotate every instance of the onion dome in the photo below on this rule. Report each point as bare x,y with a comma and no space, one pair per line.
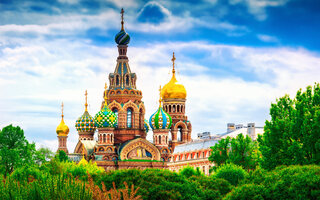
173,89
83,161
62,129
122,38
105,118
85,123
146,126
160,119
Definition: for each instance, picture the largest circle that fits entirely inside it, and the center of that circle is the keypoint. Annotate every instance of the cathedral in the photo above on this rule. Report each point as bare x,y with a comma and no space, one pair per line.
121,126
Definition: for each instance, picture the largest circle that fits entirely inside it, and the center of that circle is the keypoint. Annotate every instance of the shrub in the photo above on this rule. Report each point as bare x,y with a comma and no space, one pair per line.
247,192
232,173
189,171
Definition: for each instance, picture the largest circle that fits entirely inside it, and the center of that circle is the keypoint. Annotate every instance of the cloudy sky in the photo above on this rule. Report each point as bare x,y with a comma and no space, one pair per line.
234,57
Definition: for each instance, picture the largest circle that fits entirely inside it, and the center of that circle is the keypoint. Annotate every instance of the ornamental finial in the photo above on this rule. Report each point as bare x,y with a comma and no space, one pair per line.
122,22
105,94
173,59
86,104
62,110
160,96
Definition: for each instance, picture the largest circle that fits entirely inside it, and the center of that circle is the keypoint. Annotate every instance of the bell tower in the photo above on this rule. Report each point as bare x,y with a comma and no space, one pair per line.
124,99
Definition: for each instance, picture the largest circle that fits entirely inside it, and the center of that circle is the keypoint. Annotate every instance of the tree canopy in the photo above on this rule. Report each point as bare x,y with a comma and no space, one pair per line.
292,136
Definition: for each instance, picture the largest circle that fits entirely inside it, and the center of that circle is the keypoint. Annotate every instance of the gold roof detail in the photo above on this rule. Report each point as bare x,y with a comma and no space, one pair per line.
62,129
173,89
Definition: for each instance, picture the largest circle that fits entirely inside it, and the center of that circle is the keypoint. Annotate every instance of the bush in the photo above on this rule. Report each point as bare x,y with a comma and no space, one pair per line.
189,171
247,192
232,173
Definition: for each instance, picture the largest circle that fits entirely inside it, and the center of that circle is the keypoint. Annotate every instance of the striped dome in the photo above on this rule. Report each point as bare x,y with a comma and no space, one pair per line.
160,120
85,123
146,126
105,118
122,38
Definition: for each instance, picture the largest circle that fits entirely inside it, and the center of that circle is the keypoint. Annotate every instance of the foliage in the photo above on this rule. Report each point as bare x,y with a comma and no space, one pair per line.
220,152
62,156
43,155
15,150
232,173
189,171
241,151
292,136
247,192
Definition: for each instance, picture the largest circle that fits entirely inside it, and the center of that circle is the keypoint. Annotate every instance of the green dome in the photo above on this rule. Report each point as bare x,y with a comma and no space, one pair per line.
85,123
105,118
160,120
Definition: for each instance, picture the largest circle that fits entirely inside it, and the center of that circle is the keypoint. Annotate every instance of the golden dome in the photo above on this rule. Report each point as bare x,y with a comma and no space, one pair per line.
83,161
62,129
173,89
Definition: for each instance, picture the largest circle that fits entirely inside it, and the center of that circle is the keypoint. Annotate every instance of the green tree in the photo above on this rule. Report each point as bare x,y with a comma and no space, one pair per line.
241,151
15,150
232,173
292,136
43,155
62,156
220,152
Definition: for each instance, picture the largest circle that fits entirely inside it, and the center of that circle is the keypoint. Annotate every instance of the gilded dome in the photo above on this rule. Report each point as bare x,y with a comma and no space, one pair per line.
62,128
173,89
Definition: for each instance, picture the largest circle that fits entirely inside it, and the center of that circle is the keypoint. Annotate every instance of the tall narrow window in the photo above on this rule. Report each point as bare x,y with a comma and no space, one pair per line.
127,80
129,118
117,80
115,110
179,133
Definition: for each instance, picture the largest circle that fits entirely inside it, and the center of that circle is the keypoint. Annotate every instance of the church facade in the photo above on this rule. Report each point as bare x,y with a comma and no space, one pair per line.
121,126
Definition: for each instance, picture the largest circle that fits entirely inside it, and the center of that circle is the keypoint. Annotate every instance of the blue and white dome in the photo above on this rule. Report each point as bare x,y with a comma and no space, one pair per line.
122,38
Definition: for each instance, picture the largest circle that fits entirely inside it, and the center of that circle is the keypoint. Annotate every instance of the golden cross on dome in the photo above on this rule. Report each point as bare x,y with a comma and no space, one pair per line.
160,96
105,93
62,110
173,59
86,104
122,11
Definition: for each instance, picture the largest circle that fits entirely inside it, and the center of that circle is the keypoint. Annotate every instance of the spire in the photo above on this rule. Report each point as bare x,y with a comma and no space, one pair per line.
86,104
105,95
173,59
160,96
122,22
62,110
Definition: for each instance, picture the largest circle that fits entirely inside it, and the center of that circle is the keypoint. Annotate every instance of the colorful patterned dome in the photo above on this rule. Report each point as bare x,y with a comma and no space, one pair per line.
122,38
146,126
160,120
85,123
105,118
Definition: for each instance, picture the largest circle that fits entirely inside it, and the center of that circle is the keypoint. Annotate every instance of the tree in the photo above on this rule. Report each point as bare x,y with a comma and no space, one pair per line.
219,154
62,156
15,150
241,151
292,136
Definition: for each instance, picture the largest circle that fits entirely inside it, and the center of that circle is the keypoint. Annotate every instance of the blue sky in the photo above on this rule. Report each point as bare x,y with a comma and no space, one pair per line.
234,57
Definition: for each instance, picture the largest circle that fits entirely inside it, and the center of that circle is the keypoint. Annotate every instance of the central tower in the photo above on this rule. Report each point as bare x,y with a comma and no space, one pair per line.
123,97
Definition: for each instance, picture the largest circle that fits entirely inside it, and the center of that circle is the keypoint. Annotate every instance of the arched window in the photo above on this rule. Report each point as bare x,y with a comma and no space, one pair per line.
141,121
179,133
169,108
160,139
104,138
127,80
178,108
117,80
129,118
115,110
108,138
174,108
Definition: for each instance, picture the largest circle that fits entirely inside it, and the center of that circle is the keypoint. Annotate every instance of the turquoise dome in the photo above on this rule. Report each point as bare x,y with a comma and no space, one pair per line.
146,126
85,123
105,118
122,38
160,120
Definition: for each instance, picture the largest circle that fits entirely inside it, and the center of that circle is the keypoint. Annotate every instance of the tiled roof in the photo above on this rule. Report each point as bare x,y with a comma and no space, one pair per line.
195,145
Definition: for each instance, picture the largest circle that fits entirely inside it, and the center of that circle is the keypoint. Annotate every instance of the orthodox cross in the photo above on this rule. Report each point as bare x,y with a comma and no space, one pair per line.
86,104
122,11
105,94
173,59
62,109
160,96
